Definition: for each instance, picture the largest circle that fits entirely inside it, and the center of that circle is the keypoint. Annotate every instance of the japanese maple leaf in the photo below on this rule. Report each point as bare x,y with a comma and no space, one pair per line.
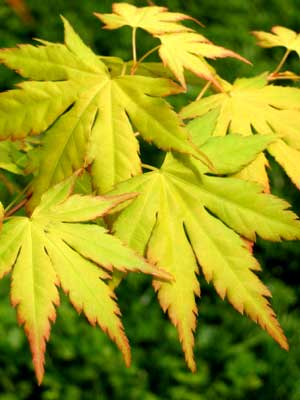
280,36
153,19
181,47
56,247
89,116
183,218
187,50
249,106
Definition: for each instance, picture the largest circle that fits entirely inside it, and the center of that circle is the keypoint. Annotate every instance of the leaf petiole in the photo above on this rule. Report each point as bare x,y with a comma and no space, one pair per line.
11,186
150,167
16,208
134,56
282,61
15,200
148,53
203,90
135,66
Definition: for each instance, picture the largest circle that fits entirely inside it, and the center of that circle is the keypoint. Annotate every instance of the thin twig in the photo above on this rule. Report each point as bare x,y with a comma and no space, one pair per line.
134,57
11,187
150,167
18,197
123,72
148,53
16,208
136,65
204,89
282,61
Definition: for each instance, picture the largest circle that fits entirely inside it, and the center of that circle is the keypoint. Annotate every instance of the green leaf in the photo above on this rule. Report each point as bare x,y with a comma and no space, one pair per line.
250,106
231,153
89,117
182,216
52,248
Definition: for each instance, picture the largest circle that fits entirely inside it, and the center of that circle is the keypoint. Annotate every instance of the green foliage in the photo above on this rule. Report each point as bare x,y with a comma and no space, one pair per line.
82,113
237,360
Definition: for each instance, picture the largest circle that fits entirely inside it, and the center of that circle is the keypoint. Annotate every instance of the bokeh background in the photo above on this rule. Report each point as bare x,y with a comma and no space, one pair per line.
235,358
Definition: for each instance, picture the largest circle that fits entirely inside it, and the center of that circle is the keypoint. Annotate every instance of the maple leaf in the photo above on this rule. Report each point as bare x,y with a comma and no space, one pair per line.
249,106
88,116
153,19
187,50
280,36
181,47
245,149
183,217
56,247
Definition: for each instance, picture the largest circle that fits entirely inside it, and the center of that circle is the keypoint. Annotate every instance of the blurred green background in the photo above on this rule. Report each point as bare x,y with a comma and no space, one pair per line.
235,358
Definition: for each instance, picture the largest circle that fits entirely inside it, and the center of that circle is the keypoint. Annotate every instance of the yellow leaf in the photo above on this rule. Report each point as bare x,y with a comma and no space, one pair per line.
187,50
288,158
256,172
253,106
153,19
280,36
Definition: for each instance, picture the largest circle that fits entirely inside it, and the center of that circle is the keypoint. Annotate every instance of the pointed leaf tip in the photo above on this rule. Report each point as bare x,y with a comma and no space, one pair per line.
180,194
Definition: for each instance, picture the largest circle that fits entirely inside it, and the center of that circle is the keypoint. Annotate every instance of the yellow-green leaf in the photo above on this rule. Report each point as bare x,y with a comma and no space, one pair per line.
35,106
252,106
89,116
182,213
288,158
226,262
88,293
52,248
187,50
176,256
34,292
153,19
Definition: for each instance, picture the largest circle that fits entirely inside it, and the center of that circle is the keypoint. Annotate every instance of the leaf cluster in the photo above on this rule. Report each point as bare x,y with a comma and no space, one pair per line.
76,124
